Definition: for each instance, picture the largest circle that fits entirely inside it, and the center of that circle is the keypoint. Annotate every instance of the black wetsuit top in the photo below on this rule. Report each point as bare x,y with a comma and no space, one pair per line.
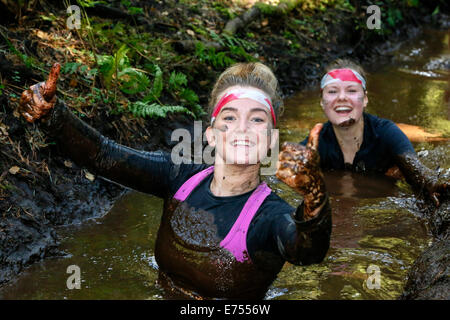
382,142
277,233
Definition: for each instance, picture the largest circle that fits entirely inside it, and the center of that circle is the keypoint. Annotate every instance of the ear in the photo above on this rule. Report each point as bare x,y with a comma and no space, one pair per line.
321,103
210,137
366,99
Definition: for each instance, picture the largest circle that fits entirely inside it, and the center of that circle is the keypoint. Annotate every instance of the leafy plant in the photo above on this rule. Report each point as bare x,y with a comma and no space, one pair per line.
158,85
235,48
210,56
155,110
79,68
117,70
133,81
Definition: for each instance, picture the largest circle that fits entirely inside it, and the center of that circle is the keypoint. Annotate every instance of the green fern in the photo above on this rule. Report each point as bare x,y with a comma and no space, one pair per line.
133,81
110,65
154,110
189,96
177,80
217,60
106,68
155,92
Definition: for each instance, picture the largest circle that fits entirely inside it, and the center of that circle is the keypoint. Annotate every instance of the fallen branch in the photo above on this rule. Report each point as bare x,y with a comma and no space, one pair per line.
254,12
237,23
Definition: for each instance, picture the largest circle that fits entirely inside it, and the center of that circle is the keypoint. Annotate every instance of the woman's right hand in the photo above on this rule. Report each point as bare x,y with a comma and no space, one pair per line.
299,167
37,101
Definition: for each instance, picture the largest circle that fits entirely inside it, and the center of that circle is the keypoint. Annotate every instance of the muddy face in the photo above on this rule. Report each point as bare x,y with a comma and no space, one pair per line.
241,133
343,102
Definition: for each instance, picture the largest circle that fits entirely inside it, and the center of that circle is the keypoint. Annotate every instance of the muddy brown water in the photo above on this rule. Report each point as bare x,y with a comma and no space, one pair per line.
378,230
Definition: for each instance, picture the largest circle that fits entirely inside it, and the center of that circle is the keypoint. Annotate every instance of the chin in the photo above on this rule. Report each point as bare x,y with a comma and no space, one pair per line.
244,160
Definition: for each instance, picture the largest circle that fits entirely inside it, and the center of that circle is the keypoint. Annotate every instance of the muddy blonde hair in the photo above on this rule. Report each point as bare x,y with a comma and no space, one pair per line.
253,74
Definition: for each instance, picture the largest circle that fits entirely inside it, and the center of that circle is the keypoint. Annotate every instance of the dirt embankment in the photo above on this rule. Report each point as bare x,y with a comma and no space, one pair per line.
40,189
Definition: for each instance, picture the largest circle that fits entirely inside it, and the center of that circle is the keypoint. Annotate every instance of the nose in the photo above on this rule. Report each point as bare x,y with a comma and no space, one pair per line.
342,95
243,124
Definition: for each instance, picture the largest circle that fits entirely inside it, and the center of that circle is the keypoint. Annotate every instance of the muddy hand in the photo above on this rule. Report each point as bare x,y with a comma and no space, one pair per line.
37,101
299,167
439,192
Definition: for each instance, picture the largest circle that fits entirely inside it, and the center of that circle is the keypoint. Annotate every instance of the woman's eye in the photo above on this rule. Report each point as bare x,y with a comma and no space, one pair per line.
258,120
228,118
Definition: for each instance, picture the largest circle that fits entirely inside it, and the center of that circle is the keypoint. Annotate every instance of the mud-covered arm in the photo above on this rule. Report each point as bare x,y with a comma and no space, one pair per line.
303,242
304,236
147,172
423,179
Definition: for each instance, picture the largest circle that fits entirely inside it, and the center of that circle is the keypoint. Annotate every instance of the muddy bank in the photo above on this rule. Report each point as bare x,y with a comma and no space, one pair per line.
49,190
429,276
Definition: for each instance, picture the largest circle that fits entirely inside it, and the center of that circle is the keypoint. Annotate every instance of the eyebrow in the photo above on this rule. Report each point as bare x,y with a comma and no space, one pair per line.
347,86
251,110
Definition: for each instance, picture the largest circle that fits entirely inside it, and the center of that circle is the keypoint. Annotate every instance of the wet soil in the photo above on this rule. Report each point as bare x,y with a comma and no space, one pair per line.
49,190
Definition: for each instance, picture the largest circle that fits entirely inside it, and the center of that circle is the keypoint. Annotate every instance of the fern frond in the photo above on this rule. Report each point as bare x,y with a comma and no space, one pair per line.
154,110
177,80
155,93
133,81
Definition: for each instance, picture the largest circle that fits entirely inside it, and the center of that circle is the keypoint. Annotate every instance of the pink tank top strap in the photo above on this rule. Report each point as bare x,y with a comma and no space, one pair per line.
187,187
236,239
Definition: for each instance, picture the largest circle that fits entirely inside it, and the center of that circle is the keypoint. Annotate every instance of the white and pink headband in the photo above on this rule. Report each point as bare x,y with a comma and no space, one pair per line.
342,75
243,93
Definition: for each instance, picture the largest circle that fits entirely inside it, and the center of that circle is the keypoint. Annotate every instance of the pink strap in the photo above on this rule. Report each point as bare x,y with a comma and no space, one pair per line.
236,239
187,187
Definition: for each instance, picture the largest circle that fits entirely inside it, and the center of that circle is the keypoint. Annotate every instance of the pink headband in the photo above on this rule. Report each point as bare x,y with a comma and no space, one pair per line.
243,93
342,75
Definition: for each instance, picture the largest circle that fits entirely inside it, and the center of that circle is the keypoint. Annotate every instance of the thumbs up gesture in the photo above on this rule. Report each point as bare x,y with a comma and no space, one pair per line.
299,167
37,101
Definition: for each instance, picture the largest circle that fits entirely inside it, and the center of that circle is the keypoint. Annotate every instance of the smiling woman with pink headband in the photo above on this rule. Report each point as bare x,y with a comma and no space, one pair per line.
355,140
224,233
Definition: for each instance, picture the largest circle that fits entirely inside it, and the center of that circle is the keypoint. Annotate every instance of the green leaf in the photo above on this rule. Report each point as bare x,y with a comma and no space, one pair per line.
106,67
133,81
120,58
189,96
70,67
155,93
135,10
436,11
177,80
154,110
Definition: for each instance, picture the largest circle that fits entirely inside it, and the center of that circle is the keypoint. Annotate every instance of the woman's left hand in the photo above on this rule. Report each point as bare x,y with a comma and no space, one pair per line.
299,167
438,191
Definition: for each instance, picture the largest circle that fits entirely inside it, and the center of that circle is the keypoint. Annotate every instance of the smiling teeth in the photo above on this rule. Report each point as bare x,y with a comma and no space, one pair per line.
241,143
343,109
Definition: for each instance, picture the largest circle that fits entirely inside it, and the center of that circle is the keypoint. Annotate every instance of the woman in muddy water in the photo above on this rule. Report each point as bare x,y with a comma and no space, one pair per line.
355,140
223,232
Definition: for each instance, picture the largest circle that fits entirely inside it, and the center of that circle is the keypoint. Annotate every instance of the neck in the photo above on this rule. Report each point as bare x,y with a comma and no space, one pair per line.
350,136
232,180
350,139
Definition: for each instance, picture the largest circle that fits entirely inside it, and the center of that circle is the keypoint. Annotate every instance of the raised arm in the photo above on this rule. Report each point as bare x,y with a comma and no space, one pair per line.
421,178
143,171
304,237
